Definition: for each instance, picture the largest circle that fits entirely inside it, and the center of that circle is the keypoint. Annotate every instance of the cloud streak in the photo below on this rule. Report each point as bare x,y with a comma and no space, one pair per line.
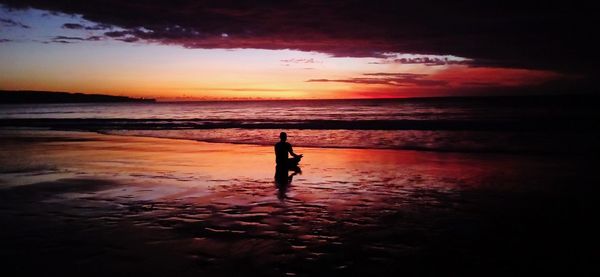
77,26
389,79
301,61
70,39
7,22
426,60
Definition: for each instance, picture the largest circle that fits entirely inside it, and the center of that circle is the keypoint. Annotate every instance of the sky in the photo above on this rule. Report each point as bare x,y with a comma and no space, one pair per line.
192,50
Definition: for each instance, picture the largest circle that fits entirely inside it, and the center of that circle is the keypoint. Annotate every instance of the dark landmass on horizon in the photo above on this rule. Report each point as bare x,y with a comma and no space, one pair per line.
28,96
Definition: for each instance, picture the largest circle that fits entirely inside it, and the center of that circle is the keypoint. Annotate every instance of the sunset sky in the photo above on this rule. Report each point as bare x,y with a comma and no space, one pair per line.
184,50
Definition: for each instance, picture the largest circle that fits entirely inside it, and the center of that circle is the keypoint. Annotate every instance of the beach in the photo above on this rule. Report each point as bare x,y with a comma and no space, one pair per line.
95,204
298,138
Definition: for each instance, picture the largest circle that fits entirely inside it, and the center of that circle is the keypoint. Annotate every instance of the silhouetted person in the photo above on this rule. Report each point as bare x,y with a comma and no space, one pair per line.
282,180
282,149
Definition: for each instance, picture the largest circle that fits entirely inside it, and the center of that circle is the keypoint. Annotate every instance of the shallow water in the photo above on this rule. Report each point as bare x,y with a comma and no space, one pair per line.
548,125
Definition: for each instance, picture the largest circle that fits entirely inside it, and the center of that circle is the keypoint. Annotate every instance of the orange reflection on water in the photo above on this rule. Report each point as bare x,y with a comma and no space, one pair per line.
338,179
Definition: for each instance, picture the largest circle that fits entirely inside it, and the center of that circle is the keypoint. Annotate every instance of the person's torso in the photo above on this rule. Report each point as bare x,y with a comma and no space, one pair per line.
281,151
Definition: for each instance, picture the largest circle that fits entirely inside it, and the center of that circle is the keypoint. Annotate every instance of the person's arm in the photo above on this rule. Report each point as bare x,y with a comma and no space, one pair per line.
294,154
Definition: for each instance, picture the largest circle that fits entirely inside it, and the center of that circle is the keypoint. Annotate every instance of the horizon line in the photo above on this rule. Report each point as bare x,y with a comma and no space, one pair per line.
236,99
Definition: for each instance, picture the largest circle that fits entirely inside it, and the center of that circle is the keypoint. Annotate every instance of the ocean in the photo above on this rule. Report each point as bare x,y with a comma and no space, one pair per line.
524,125
507,198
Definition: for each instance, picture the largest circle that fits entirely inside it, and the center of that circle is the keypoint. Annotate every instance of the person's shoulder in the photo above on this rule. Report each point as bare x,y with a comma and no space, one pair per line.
281,143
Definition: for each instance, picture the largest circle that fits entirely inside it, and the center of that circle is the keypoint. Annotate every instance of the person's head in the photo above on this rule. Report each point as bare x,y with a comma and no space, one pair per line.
283,136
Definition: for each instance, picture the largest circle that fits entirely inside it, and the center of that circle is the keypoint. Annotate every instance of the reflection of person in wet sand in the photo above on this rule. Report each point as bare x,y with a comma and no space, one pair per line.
282,180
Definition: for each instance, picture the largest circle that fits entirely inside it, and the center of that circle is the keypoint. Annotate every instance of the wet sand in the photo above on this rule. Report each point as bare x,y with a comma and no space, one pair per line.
86,203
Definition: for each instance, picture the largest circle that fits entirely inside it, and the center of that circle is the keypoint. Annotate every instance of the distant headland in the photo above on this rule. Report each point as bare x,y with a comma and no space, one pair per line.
29,96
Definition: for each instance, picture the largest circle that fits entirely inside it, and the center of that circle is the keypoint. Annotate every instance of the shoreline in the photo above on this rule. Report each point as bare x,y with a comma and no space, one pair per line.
540,151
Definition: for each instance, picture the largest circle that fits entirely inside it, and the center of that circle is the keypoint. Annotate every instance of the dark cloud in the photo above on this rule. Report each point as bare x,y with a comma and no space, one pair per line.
77,26
128,39
74,26
428,61
57,41
6,22
549,35
116,34
391,79
93,38
127,36
69,39
4,40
